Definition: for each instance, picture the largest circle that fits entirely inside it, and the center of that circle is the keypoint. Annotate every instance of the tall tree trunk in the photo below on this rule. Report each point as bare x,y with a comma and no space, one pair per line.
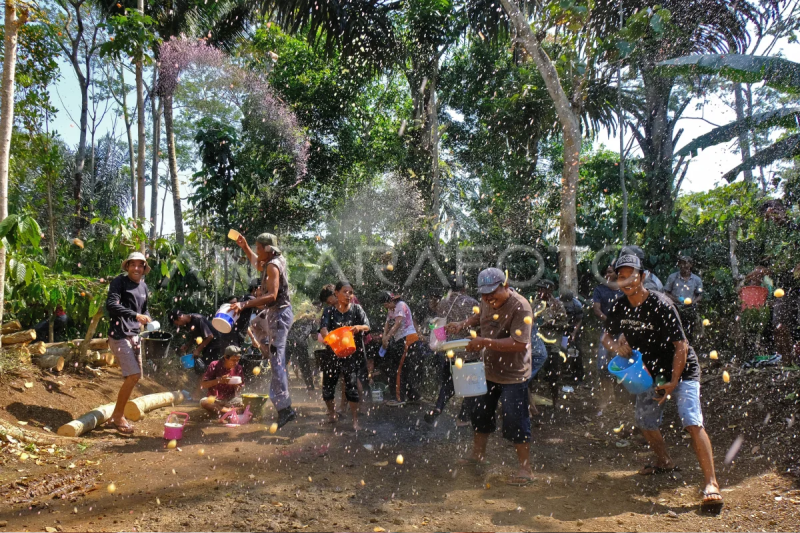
163,204
156,111
433,125
571,130
733,232
657,145
13,22
128,127
744,136
173,168
621,119
140,159
80,156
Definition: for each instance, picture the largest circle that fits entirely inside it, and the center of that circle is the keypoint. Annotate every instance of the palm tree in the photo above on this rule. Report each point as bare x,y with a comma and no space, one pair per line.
222,23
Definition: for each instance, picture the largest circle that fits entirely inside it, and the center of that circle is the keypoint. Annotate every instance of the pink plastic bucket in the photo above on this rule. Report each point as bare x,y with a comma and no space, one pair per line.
173,430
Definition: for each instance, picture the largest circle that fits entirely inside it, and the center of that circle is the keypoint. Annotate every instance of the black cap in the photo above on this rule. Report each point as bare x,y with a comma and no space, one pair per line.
174,315
632,250
386,297
629,260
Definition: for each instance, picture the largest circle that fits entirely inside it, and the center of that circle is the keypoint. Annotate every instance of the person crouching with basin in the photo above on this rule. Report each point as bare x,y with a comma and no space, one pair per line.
223,379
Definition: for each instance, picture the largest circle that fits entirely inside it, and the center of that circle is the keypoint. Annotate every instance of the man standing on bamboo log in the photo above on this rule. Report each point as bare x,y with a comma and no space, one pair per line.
271,324
127,309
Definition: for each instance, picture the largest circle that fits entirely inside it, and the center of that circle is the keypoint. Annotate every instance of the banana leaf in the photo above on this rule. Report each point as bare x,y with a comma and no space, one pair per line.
788,118
783,149
776,72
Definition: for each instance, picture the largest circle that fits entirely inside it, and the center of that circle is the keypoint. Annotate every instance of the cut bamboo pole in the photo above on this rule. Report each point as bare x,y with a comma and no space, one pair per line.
94,344
135,409
37,348
50,362
87,422
18,337
11,327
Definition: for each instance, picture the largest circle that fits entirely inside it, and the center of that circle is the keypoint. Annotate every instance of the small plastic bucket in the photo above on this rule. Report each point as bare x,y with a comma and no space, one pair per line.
341,341
224,320
173,429
631,372
187,361
469,380
753,296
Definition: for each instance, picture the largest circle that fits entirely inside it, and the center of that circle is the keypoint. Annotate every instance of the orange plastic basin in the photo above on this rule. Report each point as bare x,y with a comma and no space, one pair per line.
341,341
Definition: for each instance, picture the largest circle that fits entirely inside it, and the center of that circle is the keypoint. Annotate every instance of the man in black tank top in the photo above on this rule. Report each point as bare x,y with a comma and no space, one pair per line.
274,317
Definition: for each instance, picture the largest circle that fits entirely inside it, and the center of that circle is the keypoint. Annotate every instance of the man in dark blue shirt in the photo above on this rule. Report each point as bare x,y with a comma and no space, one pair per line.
127,309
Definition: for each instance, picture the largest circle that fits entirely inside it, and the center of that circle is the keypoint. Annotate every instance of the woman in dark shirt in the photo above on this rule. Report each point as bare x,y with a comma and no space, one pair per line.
127,309
344,313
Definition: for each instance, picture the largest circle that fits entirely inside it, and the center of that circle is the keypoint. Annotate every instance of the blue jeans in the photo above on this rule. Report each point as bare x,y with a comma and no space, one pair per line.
649,413
280,321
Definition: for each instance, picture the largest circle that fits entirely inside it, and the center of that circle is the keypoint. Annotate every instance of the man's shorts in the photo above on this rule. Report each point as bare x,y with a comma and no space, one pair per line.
128,354
687,397
516,417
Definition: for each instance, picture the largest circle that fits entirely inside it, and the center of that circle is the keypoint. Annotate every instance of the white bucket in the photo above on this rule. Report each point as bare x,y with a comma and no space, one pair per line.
224,319
469,380
154,325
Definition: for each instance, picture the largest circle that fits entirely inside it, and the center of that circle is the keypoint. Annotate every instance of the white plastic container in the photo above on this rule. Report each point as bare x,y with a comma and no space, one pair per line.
153,326
469,380
235,380
224,320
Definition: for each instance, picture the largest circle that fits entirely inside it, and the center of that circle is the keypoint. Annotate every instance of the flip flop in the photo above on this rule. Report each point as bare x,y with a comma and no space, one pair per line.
712,506
519,481
124,429
658,470
469,461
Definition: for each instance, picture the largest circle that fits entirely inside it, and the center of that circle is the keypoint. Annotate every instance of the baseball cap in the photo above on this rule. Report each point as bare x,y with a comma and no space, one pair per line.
632,249
629,260
546,284
489,279
268,239
174,315
686,258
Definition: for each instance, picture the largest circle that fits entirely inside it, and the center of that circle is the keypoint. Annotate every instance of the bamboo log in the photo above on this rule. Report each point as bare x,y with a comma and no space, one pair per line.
19,337
11,327
135,409
37,348
94,344
62,351
50,362
87,422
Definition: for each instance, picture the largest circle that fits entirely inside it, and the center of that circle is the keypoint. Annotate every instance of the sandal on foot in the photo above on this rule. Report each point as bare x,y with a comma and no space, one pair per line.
122,429
711,504
652,470
519,481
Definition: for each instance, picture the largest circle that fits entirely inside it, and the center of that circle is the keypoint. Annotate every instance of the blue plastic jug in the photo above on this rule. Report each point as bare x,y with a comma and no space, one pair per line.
187,361
631,372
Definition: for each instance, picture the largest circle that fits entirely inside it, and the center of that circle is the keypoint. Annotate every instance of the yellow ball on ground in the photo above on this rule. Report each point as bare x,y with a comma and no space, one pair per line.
273,428
256,370
399,459
201,451
389,267
172,444
713,355
687,301
473,334
779,293
459,362
476,310
111,488
23,456
706,322
726,377
495,316
450,354
362,483
528,320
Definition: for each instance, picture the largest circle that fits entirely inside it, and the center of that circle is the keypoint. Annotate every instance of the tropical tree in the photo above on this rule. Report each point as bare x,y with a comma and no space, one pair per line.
16,15
775,72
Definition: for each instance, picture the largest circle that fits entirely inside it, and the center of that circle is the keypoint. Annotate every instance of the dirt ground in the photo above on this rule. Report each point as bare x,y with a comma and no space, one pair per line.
324,478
